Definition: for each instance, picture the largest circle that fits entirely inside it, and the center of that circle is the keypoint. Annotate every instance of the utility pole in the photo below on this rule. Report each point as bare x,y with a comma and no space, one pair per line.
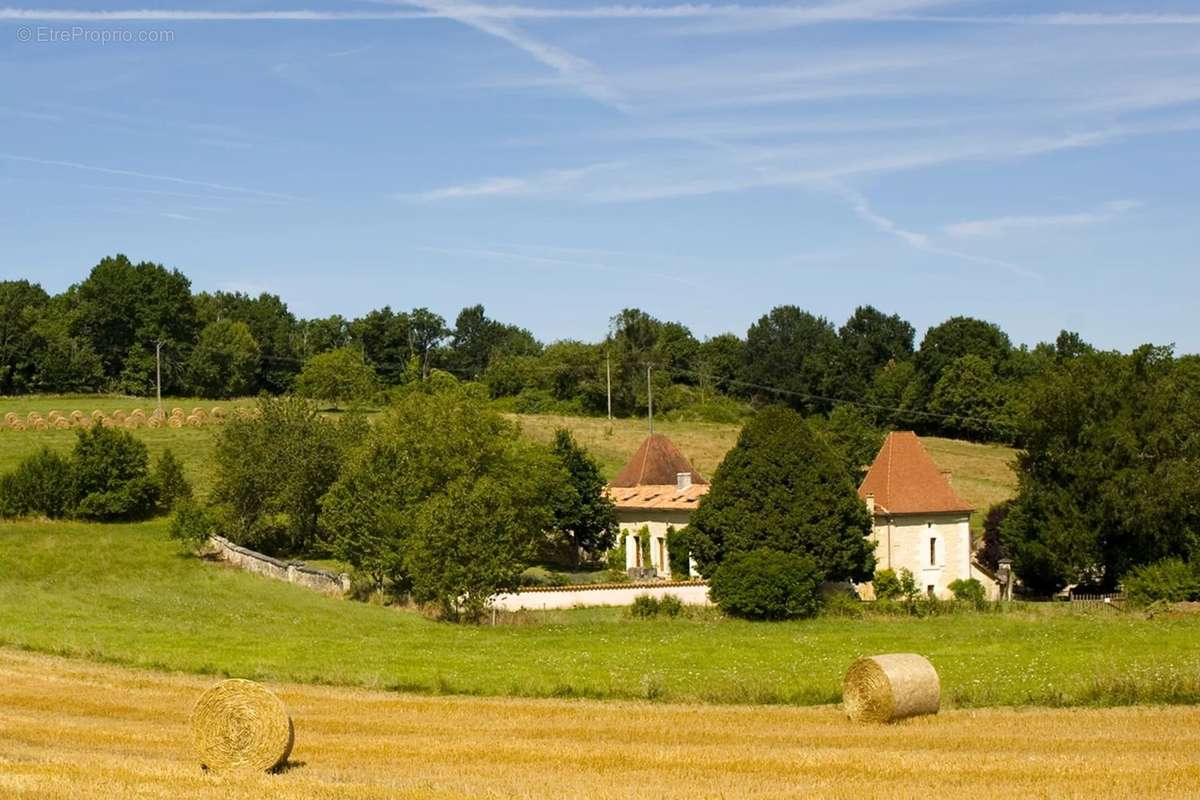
158,370
608,382
650,399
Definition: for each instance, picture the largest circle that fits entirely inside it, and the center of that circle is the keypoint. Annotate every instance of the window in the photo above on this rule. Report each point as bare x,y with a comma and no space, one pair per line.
932,552
929,590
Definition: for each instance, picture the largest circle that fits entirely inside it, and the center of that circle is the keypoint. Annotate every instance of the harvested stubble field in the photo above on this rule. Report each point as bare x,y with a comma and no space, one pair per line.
72,729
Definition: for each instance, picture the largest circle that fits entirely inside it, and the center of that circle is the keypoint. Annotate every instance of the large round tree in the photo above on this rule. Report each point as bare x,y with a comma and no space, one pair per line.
783,488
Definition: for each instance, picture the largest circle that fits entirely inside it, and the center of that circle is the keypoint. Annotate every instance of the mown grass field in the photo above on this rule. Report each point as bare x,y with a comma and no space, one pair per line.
193,446
981,473
74,729
124,593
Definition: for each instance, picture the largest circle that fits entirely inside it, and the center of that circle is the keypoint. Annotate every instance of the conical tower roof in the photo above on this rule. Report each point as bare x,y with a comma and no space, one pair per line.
657,462
905,480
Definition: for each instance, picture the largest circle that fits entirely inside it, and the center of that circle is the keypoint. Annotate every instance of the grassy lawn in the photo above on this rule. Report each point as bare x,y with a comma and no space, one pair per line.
125,594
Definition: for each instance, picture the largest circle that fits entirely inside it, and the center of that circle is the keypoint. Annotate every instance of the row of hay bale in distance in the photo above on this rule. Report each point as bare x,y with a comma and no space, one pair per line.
55,420
241,725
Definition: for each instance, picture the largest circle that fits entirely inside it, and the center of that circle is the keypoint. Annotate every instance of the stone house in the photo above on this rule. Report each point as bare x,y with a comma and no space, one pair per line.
919,521
657,490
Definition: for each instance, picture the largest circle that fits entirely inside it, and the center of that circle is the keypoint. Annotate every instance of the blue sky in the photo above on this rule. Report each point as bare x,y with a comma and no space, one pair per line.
1035,164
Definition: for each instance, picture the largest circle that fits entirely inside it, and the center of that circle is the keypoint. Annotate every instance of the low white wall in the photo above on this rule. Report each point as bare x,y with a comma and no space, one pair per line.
691,593
293,572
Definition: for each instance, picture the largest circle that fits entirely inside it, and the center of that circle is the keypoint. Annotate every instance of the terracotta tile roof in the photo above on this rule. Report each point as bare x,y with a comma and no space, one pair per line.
656,463
665,496
905,480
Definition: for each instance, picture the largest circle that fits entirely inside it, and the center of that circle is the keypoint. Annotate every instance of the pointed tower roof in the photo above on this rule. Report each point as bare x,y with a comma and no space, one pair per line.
905,480
657,462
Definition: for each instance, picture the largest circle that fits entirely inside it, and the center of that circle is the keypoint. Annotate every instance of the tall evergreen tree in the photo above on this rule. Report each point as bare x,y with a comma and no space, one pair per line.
782,488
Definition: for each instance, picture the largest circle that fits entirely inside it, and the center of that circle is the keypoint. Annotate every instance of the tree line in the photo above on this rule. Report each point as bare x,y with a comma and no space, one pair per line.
965,378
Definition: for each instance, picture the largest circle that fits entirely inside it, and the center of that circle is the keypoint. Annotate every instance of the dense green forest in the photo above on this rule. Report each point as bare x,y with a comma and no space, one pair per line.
965,378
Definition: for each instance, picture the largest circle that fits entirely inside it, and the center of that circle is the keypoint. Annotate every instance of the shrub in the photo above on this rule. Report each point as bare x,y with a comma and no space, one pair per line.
842,604
887,585
909,592
767,584
645,606
193,524
969,590
670,606
111,476
1171,580
679,550
173,486
41,484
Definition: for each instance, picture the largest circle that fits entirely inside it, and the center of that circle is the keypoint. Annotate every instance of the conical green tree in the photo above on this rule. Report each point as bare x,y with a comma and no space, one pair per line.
783,488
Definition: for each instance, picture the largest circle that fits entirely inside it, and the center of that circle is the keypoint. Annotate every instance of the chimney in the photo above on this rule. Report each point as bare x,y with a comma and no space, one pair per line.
947,474
870,503
683,481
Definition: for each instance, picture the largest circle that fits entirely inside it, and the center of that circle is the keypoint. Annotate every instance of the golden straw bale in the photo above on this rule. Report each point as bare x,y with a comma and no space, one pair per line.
198,412
890,687
218,412
62,423
10,418
137,412
52,417
40,425
17,425
193,421
108,422
177,412
132,423
97,415
119,415
33,418
240,725
175,422
77,415
154,422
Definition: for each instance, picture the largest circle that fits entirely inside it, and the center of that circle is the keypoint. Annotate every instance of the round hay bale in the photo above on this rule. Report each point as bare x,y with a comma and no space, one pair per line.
154,422
241,725
40,425
119,415
17,426
33,418
218,412
53,416
97,415
891,687
10,418
132,423
194,421
177,412
77,415
175,422
62,423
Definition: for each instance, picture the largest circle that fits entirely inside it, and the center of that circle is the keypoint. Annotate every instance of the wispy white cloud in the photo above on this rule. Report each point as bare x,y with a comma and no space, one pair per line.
554,256
574,70
1065,19
731,16
537,183
920,241
5,111
224,187
998,226
177,216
